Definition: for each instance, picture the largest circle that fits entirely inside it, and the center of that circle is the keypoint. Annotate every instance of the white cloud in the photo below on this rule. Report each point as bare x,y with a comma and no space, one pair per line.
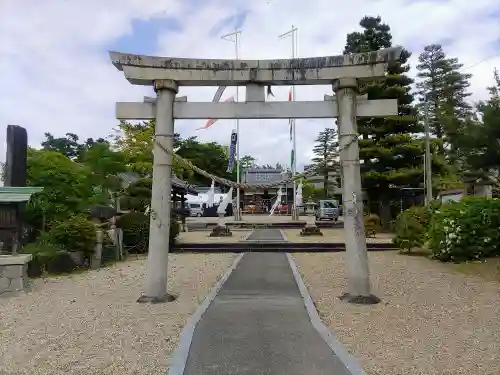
55,74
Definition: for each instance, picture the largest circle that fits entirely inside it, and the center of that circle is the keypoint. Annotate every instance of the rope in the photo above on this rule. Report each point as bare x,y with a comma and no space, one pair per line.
223,181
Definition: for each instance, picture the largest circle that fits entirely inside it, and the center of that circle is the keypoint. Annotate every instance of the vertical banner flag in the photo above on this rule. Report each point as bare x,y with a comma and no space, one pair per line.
232,151
292,158
290,121
213,121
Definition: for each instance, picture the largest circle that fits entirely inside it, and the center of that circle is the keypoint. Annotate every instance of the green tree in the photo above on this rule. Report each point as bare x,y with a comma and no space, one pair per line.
326,151
67,187
207,156
481,139
445,89
247,161
104,165
389,148
310,191
69,145
135,142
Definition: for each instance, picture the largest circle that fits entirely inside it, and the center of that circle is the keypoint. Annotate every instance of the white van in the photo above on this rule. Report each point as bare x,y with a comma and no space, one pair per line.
195,208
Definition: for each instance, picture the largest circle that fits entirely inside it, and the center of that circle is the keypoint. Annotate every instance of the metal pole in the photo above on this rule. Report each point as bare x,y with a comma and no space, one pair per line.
236,42
292,33
428,156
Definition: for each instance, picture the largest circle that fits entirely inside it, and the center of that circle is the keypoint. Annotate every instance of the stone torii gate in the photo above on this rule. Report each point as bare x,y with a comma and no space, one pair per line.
343,72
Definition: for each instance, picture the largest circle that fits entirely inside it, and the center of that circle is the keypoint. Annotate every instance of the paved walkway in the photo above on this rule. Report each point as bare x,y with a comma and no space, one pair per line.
258,325
266,234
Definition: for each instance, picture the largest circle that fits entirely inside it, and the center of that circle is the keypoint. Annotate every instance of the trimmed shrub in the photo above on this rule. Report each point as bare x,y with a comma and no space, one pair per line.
410,227
42,250
372,225
466,230
76,233
135,226
60,262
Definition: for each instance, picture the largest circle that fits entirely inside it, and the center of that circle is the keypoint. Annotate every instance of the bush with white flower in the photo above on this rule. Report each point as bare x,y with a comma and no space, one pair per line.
465,230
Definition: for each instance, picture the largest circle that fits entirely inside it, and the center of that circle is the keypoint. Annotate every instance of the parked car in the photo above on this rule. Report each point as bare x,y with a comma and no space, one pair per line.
195,208
327,209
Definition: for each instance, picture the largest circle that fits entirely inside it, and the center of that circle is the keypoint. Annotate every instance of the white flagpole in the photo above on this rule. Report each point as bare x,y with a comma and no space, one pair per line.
292,33
236,33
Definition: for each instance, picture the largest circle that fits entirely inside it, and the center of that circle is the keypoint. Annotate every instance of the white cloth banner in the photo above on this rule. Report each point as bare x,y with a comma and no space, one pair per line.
227,199
298,195
211,195
277,203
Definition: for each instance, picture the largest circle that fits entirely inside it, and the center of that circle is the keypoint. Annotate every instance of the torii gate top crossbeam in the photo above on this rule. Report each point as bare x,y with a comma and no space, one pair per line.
144,70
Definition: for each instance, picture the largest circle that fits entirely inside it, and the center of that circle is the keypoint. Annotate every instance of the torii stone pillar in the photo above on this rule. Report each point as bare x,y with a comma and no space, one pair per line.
354,228
159,228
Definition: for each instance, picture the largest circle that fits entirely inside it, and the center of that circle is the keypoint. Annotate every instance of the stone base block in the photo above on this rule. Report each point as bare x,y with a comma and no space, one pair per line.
221,231
311,231
360,300
13,273
154,300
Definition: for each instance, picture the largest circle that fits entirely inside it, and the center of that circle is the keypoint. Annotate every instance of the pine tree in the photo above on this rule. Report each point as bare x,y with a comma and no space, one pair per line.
445,88
481,138
326,151
389,148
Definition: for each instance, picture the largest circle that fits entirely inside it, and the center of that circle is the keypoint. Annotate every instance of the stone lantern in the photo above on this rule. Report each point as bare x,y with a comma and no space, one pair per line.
310,229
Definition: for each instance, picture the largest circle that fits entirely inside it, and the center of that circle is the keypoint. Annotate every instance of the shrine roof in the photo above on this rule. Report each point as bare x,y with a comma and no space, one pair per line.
17,194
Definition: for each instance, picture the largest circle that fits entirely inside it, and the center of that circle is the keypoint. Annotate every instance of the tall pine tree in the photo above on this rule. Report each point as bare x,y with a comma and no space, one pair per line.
389,148
446,90
481,139
326,151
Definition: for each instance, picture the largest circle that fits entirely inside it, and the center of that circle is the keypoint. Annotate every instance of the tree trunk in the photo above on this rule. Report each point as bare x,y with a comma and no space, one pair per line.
384,212
325,185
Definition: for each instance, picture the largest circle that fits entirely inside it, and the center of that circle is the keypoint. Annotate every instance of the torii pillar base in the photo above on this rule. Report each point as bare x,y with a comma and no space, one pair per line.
360,300
153,300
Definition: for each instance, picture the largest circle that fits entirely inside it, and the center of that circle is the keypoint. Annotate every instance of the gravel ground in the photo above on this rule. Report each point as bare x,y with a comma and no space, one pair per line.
292,235
90,323
432,320
204,237
331,235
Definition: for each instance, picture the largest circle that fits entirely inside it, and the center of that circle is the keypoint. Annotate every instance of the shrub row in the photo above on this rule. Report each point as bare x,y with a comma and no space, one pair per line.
135,226
51,251
455,231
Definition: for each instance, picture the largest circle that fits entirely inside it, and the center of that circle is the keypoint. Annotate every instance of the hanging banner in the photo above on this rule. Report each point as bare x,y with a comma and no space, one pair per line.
232,151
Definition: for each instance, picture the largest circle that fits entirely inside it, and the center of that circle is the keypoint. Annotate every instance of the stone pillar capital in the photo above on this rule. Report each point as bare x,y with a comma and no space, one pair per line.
345,83
166,84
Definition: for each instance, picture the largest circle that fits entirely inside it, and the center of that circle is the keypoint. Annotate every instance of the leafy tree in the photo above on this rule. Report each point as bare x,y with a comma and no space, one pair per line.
67,187
68,145
390,150
247,161
326,151
105,164
481,139
207,156
135,141
445,89
310,191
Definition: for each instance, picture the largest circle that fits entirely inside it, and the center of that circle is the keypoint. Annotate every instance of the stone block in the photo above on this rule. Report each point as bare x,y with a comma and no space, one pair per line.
14,271
4,284
221,231
311,231
17,284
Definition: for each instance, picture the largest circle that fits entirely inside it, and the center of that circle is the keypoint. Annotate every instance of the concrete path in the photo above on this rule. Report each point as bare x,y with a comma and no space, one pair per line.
257,324
266,234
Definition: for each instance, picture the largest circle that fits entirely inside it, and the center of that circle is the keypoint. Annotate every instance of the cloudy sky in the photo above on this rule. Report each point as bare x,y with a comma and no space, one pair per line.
55,73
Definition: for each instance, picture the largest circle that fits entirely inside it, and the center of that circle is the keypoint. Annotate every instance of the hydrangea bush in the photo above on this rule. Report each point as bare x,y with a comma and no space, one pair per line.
465,230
